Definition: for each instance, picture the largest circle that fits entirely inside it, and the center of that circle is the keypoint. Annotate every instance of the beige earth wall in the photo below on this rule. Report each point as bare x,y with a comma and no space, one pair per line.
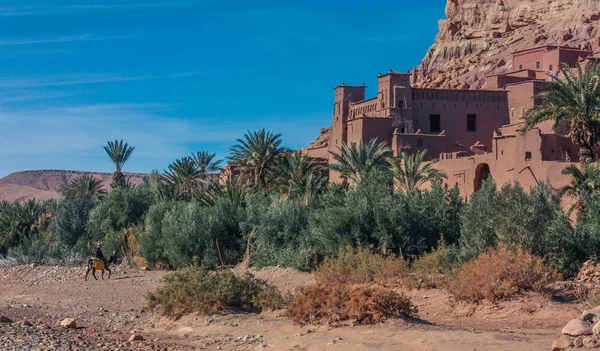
515,158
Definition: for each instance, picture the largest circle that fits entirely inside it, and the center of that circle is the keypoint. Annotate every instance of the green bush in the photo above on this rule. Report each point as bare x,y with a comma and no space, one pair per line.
281,228
178,234
117,211
70,222
206,292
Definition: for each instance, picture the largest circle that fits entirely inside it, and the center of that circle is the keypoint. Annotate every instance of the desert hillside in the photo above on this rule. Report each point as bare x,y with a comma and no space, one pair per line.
44,184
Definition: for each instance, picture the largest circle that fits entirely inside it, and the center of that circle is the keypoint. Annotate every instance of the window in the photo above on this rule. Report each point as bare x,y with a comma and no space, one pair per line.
528,156
471,123
402,130
434,124
401,104
520,67
419,142
550,68
538,65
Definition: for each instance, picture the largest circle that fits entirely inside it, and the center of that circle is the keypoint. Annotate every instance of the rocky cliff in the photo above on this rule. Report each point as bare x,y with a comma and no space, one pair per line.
478,37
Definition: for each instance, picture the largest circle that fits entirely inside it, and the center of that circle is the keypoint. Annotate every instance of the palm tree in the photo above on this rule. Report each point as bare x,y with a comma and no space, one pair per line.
231,191
257,156
411,171
301,178
206,162
575,98
582,183
355,162
84,187
184,175
119,153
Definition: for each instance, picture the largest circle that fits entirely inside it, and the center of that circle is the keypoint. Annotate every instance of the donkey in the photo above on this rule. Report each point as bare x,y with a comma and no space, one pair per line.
97,264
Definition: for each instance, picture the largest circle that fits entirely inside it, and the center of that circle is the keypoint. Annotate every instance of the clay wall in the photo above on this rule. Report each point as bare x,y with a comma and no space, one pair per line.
515,158
367,128
454,106
531,59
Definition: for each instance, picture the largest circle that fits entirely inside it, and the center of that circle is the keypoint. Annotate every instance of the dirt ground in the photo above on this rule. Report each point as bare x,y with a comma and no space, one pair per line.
107,312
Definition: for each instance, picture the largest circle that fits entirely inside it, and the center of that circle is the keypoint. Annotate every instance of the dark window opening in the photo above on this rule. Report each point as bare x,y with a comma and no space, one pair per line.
471,123
434,124
520,67
402,130
419,142
400,104
550,68
538,65
527,156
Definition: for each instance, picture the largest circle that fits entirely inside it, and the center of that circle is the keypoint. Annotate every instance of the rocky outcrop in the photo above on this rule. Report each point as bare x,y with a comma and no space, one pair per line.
322,140
478,37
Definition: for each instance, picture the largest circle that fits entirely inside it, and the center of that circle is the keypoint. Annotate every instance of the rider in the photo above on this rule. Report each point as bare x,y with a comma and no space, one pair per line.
98,254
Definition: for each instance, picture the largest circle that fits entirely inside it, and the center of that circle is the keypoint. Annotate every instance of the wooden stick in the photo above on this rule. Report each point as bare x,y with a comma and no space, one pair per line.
219,251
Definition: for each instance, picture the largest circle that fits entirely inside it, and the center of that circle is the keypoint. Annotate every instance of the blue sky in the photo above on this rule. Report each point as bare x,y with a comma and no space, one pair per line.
172,77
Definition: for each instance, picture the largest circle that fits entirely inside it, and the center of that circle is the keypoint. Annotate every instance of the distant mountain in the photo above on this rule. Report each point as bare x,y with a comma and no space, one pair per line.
44,184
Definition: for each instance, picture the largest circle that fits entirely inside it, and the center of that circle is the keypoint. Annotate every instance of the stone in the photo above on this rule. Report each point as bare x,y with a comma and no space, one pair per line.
27,324
496,35
590,342
577,327
578,342
136,337
565,35
561,343
69,323
4,319
596,328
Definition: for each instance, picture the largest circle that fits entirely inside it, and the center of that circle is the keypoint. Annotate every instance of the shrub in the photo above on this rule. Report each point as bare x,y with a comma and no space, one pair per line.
176,232
281,228
206,292
499,274
360,266
361,304
434,262
70,222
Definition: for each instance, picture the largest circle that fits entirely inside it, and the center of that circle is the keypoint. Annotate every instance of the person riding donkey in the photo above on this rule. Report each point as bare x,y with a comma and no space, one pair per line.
98,262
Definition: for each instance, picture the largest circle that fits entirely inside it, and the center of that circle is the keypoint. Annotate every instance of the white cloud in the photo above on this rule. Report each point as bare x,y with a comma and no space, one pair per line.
78,79
61,39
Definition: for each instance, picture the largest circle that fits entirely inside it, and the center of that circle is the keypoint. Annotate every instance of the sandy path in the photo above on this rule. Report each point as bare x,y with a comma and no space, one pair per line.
109,310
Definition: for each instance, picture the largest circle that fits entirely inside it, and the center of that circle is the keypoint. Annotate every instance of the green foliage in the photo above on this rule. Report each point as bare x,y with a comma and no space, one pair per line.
118,210
199,290
575,98
281,232
356,162
70,222
118,152
533,221
84,187
257,155
177,234
184,177
411,172
19,221
301,178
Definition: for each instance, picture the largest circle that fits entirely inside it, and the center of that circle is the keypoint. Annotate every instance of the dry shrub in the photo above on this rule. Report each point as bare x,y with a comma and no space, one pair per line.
361,266
206,292
498,274
361,304
138,262
433,262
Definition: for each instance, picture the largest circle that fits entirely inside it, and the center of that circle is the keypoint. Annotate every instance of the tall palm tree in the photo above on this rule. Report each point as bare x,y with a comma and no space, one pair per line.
301,178
119,152
411,171
355,162
184,175
574,97
206,163
257,156
84,187
583,182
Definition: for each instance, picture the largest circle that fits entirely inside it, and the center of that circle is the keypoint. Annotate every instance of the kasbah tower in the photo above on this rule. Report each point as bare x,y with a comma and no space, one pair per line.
474,133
